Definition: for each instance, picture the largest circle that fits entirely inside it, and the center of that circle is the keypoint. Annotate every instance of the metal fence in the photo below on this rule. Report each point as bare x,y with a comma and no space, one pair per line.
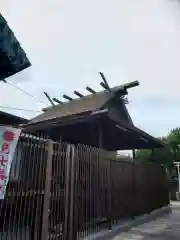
63,191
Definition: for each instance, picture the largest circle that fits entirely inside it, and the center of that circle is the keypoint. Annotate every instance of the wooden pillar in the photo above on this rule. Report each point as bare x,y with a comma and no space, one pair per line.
134,154
47,191
134,196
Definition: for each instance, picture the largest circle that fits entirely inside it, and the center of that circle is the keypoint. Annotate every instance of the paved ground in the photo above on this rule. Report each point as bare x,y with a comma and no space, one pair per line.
166,227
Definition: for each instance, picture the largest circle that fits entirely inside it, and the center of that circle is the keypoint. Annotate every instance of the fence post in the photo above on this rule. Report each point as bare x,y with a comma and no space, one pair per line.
67,190
134,189
110,195
47,194
72,228
69,231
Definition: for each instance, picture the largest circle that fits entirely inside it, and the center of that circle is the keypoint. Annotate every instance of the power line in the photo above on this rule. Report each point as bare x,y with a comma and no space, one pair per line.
20,89
19,109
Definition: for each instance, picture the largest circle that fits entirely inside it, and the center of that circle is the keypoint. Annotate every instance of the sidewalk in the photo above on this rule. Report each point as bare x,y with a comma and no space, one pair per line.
166,227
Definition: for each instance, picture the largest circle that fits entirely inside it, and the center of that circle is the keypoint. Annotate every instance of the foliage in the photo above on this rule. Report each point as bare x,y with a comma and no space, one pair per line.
166,155
173,140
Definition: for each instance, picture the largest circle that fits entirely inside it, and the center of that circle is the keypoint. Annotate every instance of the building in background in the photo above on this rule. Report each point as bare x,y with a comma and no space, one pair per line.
11,120
12,57
12,60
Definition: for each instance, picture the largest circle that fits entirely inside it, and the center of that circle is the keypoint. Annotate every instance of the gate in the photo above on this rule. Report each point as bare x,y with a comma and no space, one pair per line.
66,192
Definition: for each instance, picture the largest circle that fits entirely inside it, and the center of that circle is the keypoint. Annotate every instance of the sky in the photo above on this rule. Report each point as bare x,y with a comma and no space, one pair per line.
69,42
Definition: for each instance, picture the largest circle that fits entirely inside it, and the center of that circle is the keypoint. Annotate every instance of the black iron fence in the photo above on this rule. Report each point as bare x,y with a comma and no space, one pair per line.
63,191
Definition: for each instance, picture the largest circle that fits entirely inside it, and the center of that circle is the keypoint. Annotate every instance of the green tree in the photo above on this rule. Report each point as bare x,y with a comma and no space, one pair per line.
160,155
166,155
143,155
173,140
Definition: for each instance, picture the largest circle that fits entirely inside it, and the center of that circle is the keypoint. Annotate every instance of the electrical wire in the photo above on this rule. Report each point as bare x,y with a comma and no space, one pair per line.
20,89
19,109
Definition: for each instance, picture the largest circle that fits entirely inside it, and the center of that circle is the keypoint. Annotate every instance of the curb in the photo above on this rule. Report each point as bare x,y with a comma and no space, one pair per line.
116,229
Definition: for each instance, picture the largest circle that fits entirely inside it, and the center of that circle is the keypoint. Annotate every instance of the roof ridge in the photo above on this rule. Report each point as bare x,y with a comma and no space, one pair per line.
113,90
76,99
89,102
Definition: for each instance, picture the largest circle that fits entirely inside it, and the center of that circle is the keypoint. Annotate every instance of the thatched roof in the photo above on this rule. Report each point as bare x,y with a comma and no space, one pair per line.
76,106
81,121
89,103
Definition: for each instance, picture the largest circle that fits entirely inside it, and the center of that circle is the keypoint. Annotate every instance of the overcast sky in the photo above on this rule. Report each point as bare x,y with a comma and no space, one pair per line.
69,42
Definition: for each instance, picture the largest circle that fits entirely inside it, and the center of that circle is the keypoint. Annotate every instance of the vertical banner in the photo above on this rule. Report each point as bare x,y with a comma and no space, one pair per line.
8,141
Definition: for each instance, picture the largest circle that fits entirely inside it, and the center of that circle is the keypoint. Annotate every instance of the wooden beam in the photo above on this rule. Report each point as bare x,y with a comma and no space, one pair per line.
48,97
67,97
78,94
104,86
57,100
44,109
105,82
131,84
90,90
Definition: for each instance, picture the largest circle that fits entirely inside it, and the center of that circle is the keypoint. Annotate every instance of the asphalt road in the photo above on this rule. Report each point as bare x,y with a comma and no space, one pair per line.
166,227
